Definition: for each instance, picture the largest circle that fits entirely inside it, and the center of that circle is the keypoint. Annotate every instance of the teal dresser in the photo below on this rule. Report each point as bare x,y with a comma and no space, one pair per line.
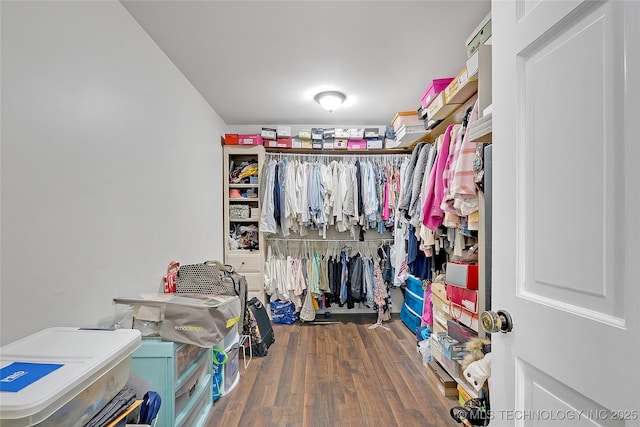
181,374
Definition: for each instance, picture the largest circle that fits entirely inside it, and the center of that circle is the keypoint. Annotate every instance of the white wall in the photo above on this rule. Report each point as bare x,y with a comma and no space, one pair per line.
111,165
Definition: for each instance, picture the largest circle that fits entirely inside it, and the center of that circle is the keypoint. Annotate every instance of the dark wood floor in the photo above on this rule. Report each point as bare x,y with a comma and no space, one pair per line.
341,374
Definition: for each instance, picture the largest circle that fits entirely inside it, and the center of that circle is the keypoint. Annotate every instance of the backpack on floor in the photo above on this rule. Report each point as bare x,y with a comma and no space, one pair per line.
258,325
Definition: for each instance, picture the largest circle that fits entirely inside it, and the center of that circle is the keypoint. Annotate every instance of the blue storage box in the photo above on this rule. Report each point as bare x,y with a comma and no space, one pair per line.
414,301
415,285
410,318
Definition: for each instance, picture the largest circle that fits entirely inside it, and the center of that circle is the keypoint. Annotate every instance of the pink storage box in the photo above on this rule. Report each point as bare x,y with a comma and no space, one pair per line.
250,139
435,87
357,144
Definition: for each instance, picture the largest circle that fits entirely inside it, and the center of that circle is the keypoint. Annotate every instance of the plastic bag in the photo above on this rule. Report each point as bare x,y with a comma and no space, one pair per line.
283,312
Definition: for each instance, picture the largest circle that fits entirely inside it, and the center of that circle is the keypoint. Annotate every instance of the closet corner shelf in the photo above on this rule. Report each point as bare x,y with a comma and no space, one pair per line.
256,220
456,116
481,129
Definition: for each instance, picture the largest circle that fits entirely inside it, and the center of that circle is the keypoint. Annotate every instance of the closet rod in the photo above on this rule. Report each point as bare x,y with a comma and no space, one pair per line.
329,240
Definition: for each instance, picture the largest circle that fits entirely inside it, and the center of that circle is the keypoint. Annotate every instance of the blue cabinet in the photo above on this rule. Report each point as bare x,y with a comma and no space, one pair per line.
181,374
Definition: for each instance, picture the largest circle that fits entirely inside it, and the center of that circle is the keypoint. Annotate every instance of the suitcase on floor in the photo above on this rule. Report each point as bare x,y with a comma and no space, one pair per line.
258,326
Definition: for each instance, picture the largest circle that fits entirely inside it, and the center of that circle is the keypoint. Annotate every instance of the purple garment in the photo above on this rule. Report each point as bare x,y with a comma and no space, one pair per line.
432,212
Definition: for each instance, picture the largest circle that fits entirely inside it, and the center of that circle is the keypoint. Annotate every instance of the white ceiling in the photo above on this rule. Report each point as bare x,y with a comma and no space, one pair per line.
261,62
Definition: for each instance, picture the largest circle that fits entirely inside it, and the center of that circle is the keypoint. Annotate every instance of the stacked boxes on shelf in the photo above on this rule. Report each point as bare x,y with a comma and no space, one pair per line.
304,138
242,139
373,138
408,128
316,138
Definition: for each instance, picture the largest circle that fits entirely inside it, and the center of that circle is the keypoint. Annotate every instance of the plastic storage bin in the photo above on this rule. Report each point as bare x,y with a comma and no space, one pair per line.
91,367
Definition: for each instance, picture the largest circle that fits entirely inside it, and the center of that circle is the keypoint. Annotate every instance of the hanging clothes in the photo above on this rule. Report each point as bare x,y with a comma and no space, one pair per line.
267,214
352,195
432,211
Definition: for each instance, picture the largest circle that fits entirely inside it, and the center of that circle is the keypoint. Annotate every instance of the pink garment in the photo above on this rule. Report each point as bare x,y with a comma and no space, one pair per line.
431,210
454,150
463,183
385,206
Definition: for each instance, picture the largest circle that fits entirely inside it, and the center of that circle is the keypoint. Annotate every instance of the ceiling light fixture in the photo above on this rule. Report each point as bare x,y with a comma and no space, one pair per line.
330,100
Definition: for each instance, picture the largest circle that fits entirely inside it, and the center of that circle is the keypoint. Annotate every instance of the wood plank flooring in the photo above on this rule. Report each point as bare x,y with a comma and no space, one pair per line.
338,374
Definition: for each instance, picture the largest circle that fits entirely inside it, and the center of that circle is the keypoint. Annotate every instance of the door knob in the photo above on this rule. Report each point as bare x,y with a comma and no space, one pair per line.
496,321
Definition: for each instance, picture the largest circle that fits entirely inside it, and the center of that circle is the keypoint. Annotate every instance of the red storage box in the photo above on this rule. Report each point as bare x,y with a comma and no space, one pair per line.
284,142
250,139
435,87
230,139
462,275
467,298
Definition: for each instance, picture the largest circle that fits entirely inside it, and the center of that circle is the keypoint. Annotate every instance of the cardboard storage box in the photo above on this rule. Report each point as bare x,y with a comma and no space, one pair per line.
304,134
340,143
63,376
479,36
440,310
371,132
283,131
446,384
341,133
434,107
374,143
463,275
268,133
356,133
409,118
317,134
439,289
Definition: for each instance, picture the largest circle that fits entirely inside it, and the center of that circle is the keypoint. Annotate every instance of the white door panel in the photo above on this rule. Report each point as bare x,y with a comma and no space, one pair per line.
565,212
569,167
